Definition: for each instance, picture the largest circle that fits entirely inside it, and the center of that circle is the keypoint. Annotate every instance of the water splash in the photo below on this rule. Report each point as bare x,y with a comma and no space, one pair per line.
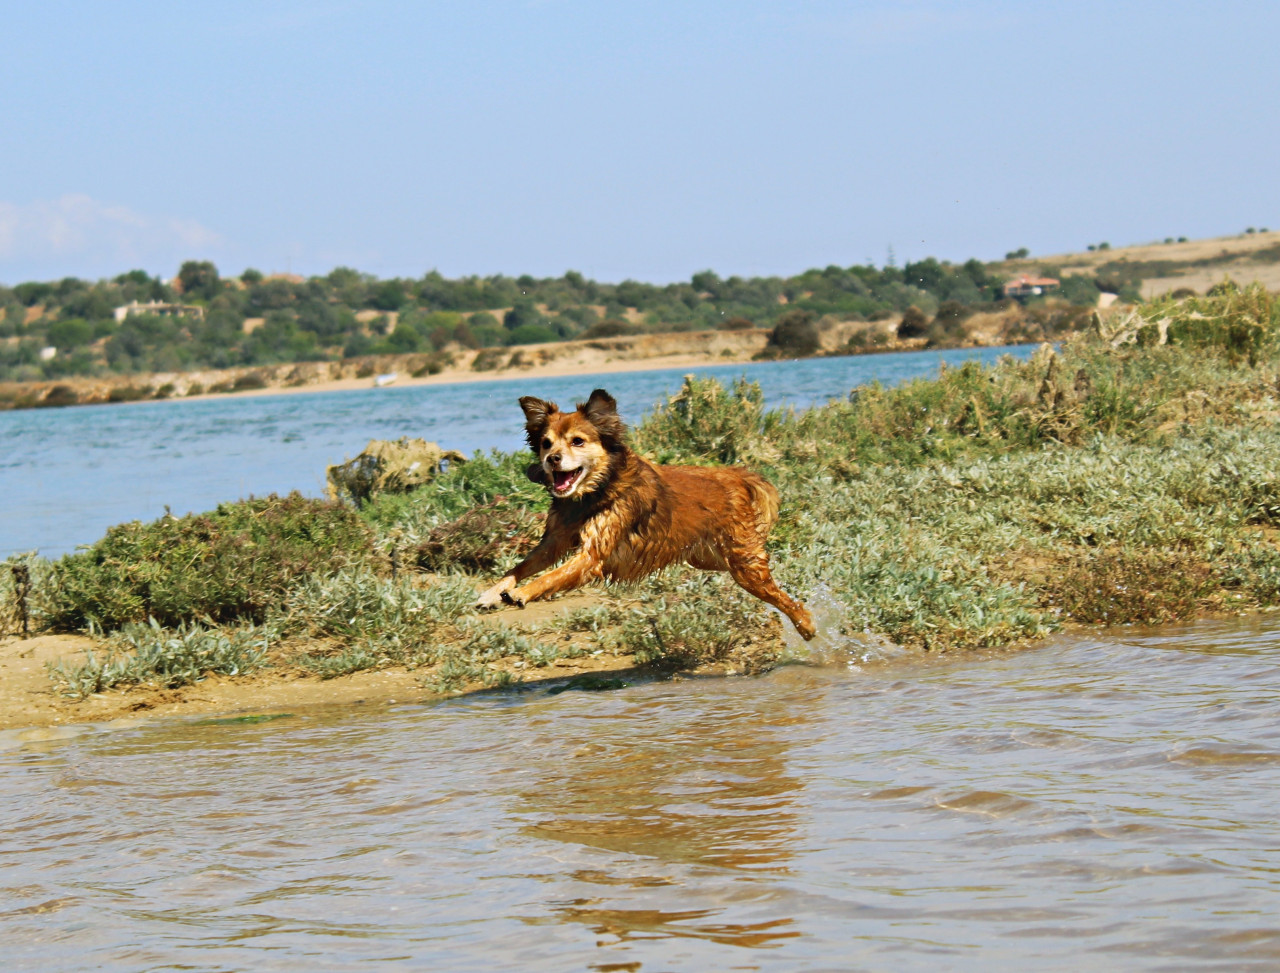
840,639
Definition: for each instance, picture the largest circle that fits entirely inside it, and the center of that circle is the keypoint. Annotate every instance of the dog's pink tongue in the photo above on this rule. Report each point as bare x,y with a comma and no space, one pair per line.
562,478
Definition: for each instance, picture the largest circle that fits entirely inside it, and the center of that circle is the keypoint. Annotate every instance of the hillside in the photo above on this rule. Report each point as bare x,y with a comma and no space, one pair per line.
1160,268
73,341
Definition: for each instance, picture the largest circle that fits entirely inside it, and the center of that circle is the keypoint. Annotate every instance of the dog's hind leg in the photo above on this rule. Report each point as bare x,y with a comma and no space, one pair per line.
752,574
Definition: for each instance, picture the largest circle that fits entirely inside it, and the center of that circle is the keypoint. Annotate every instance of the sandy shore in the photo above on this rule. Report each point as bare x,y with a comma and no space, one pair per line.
30,699
461,376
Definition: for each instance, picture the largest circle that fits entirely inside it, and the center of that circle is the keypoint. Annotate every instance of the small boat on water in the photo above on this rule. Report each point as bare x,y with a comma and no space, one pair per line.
385,379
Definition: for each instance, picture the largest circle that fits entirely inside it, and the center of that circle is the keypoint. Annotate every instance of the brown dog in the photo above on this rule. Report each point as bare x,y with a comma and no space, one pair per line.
625,518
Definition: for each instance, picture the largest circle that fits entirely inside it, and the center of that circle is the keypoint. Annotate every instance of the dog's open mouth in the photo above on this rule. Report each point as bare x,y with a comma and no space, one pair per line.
562,481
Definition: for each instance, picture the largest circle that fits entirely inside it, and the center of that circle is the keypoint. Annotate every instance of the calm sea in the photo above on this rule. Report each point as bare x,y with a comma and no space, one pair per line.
66,475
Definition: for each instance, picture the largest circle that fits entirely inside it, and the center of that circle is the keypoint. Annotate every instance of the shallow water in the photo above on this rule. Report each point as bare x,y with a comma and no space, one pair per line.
66,475
1104,801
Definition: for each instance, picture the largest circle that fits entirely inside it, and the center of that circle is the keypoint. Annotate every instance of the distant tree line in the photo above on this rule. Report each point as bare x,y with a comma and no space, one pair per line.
254,319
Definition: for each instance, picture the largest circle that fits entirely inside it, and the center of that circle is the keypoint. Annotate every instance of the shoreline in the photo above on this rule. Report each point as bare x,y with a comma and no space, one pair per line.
31,708
30,701
462,377
602,356
560,370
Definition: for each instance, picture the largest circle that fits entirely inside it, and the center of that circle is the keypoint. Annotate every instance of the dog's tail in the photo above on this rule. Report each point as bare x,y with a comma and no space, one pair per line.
764,501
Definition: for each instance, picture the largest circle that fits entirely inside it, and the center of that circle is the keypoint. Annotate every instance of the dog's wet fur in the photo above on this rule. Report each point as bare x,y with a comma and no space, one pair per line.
620,517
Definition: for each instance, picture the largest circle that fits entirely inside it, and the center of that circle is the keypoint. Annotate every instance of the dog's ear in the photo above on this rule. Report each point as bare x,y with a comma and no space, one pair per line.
536,414
601,410
599,405
536,473
537,410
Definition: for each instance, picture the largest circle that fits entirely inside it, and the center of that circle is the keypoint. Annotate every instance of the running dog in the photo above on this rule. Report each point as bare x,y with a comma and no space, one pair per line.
624,518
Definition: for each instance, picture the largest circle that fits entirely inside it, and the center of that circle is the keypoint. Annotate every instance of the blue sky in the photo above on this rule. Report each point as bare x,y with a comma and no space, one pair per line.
643,140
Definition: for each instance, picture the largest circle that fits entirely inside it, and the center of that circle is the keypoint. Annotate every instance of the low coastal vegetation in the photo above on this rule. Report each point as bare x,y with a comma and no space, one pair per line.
1126,476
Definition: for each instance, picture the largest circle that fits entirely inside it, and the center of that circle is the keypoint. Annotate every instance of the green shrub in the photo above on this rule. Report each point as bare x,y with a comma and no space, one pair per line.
1129,585
914,323
499,479
795,335
236,562
150,654
684,632
1079,290
358,605
484,539
952,314
1243,323
705,422
531,334
611,328
433,364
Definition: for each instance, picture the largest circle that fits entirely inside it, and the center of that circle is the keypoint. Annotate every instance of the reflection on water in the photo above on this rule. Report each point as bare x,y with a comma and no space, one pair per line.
1101,800
696,787
699,787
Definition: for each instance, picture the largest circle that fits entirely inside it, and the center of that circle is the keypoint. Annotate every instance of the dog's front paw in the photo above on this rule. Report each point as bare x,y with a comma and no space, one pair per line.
495,596
514,598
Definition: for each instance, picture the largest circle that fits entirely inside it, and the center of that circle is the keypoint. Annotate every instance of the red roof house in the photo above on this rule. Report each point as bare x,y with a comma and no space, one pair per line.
1024,286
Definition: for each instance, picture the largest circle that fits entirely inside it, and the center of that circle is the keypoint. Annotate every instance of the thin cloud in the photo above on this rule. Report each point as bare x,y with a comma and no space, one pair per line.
80,229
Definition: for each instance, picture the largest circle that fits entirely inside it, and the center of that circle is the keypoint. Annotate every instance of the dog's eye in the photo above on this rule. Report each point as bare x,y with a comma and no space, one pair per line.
578,441
546,443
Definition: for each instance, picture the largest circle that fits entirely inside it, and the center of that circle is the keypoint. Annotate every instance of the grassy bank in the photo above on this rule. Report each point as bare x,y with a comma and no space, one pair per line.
1127,477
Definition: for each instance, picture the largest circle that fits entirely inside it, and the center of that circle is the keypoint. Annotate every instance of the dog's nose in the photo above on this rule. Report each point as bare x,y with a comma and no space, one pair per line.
554,459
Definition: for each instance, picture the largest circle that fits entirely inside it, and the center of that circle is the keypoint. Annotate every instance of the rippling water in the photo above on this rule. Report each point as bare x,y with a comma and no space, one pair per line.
1104,802
66,475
